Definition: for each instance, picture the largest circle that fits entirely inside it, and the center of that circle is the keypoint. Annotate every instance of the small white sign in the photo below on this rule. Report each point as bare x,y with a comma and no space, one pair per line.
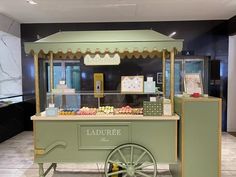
51,105
62,82
97,60
153,99
167,109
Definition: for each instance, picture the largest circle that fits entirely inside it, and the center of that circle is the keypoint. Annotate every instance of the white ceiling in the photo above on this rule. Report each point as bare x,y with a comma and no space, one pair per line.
117,10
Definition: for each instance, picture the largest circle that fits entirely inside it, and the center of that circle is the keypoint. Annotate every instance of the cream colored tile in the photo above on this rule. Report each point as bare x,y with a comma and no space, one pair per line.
16,160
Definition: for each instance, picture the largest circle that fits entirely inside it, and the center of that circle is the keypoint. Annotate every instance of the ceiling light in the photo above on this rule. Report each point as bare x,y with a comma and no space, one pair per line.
172,34
31,2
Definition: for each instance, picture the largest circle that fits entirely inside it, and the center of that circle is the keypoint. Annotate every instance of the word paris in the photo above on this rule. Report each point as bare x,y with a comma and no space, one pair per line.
103,132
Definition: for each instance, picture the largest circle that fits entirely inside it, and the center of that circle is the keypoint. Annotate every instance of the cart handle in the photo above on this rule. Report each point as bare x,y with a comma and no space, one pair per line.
43,151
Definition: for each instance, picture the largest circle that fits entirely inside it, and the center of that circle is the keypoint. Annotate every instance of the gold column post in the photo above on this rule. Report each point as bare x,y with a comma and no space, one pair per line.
51,75
172,79
164,73
36,83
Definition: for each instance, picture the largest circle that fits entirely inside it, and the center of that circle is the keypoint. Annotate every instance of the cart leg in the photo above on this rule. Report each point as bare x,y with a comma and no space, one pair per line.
41,171
54,166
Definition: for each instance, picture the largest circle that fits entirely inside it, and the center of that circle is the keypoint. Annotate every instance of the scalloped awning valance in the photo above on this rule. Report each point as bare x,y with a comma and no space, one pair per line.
117,41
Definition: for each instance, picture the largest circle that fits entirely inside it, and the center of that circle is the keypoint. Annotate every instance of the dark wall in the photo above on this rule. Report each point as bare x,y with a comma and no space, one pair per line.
204,38
232,26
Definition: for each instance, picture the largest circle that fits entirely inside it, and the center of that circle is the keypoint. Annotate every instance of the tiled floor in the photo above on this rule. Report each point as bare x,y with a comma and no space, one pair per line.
16,160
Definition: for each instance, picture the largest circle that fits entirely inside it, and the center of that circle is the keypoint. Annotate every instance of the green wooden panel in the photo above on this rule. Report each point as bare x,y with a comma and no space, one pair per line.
103,135
178,110
201,139
48,132
178,105
157,136
176,168
198,137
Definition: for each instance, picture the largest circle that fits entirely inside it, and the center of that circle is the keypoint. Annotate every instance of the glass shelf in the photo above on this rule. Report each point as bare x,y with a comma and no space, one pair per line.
88,99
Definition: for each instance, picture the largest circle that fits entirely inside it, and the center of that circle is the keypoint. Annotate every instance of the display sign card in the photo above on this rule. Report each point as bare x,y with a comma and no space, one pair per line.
132,84
98,59
98,85
149,87
153,99
193,83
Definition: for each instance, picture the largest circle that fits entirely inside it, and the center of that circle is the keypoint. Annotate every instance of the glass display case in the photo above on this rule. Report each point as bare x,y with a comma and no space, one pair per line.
110,103
186,65
77,75
80,89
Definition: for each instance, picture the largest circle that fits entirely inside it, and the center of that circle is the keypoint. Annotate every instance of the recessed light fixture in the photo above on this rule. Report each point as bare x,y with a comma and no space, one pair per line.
31,2
172,34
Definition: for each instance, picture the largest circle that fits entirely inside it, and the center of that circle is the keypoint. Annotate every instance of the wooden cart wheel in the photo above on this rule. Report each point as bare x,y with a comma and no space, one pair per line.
130,160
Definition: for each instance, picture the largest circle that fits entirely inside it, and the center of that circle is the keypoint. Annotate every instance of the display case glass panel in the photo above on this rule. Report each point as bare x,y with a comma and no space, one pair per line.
186,65
178,77
87,99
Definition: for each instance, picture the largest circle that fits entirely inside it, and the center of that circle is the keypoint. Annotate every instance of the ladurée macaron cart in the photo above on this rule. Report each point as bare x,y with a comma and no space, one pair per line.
128,144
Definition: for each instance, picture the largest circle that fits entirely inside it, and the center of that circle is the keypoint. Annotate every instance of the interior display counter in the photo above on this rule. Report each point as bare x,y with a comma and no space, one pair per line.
128,137
199,137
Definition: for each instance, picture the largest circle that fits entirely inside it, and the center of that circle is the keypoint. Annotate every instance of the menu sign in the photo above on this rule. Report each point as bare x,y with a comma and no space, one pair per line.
132,84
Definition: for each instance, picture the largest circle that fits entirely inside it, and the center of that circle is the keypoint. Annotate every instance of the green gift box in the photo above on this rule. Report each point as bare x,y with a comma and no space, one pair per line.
153,108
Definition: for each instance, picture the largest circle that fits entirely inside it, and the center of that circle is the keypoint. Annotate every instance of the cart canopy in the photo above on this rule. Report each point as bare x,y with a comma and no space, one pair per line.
116,41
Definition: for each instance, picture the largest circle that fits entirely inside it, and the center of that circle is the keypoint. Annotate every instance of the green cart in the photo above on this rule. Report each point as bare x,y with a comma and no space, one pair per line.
130,145
127,145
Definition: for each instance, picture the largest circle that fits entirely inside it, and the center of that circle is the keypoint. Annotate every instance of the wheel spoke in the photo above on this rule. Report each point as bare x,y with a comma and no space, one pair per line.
130,163
122,156
144,165
142,174
117,163
137,161
116,173
131,154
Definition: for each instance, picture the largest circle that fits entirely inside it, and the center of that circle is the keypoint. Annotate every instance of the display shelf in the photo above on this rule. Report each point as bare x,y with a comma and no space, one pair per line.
104,117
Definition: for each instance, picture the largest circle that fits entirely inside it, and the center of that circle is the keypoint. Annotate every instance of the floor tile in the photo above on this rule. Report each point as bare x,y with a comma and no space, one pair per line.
16,160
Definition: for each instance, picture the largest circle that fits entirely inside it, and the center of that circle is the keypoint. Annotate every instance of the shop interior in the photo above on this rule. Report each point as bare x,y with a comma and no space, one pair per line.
80,93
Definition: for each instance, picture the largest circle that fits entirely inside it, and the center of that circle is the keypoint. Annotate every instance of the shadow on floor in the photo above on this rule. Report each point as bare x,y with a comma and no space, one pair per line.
95,174
232,133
